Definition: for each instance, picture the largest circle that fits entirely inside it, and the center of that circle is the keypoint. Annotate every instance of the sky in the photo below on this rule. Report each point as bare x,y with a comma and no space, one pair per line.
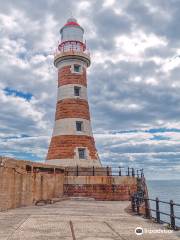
133,81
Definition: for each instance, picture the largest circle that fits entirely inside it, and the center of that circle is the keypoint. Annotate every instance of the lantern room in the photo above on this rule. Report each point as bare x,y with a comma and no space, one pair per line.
72,37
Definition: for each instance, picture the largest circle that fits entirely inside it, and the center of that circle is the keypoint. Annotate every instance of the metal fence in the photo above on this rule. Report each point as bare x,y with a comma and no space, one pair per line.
107,171
89,171
38,169
138,198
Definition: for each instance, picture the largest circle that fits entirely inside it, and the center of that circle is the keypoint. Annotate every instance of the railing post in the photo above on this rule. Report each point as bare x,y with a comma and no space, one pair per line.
93,171
172,217
133,174
120,171
147,213
132,203
137,205
128,171
137,173
77,171
140,174
107,169
157,211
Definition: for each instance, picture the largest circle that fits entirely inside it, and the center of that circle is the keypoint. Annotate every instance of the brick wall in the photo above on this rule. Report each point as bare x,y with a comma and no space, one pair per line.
72,108
63,147
18,187
101,192
65,76
107,188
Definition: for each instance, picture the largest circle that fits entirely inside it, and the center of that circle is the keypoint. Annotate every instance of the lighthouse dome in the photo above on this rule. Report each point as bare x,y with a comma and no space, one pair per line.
72,31
72,20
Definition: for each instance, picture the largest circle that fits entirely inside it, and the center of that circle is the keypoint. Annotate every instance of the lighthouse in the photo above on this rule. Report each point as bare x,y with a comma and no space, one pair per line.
72,141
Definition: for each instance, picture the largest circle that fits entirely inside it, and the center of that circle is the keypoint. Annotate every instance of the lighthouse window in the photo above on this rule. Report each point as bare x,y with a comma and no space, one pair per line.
79,126
82,153
77,68
77,91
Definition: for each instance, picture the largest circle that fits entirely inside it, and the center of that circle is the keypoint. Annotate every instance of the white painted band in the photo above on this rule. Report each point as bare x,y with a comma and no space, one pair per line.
67,126
71,62
67,91
74,162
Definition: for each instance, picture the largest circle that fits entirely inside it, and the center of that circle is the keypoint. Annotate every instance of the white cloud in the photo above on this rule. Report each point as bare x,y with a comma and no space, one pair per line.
21,108
108,3
170,64
151,81
136,44
83,5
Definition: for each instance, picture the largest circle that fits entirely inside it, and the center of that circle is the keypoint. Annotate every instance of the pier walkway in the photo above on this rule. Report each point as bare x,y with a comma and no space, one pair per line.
77,220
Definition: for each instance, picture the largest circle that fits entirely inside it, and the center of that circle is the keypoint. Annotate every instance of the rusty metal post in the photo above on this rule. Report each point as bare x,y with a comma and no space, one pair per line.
93,171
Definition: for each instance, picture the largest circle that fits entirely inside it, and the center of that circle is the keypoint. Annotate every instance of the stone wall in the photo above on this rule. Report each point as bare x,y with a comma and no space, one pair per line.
108,188
22,183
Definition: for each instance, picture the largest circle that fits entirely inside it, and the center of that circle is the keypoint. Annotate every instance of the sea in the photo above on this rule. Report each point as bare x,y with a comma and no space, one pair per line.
165,190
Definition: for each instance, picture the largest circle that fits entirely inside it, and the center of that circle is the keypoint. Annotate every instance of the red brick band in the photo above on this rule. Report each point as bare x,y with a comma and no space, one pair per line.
65,76
72,108
63,147
109,192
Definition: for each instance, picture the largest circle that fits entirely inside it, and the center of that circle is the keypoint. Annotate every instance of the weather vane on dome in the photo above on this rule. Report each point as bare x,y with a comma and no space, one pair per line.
70,13
71,18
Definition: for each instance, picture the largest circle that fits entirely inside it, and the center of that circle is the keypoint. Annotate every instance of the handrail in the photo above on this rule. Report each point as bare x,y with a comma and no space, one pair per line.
108,171
138,198
58,53
39,169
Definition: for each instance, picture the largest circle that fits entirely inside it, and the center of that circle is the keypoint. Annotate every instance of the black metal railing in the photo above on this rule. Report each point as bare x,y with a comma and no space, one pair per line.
136,202
106,171
37,169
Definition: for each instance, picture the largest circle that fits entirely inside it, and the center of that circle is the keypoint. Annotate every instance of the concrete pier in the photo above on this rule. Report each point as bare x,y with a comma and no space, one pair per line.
77,220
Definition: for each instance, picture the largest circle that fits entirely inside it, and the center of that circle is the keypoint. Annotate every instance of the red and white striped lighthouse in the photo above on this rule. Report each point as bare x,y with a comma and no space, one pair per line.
72,142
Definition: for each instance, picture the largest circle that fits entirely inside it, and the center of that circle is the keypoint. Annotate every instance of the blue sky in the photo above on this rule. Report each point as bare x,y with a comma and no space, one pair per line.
134,87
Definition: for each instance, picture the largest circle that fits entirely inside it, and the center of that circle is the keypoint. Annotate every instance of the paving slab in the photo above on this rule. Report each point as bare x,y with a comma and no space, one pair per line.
78,220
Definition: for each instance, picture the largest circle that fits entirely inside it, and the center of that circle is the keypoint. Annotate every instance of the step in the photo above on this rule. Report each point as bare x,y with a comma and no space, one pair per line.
82,198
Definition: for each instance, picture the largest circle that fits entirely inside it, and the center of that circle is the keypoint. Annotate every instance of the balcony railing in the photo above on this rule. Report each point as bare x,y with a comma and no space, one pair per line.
71,52
72,46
